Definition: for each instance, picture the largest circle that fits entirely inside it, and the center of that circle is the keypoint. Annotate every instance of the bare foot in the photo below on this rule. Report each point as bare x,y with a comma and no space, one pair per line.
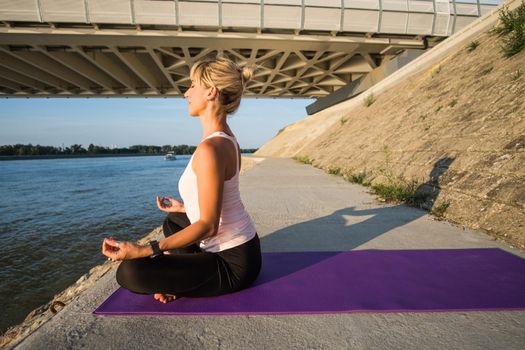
164,298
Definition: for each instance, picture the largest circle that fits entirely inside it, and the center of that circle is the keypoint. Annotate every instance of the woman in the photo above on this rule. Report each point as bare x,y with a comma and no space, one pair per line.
212,242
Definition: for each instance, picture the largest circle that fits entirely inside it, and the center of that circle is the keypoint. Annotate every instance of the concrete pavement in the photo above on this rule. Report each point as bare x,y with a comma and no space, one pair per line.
297,207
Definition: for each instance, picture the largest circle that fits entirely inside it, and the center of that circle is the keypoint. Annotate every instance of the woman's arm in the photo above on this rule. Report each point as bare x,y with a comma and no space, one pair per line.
209,168
210,171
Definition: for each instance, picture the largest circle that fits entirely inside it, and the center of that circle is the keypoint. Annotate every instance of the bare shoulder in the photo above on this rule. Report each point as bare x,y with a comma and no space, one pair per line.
208,154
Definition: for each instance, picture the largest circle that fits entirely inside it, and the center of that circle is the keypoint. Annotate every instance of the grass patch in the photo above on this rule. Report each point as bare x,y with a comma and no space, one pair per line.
453,103
427,127
512,29
440,209
401,191
473,45
334,170
369,100
359,178
343,121
423,116
303,159
397,188
438,109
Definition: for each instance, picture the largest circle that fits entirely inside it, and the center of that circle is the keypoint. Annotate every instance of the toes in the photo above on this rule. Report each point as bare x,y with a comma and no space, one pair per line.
168,298
160,297
164,298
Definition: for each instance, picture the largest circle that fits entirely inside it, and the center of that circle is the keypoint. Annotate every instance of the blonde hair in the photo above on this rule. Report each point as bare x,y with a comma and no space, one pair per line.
227,76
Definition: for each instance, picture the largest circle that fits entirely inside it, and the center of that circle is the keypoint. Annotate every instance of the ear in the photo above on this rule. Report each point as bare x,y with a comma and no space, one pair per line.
212,93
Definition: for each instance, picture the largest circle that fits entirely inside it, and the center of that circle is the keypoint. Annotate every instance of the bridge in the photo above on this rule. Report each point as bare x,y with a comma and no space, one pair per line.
140,48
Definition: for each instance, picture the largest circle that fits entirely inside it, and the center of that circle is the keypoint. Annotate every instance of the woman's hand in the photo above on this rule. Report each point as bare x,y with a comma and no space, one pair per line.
172,205
117,250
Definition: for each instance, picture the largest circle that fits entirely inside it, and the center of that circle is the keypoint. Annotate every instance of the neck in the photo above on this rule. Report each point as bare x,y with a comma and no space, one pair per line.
212,122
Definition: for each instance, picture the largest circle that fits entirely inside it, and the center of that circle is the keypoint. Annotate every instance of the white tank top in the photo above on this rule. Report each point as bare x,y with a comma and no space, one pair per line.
235,225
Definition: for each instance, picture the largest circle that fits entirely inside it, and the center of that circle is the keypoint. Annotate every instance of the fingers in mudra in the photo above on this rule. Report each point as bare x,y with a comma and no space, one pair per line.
166,202
161,203
110,248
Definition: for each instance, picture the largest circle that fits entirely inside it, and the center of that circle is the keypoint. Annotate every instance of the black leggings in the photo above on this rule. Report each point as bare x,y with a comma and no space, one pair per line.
190,271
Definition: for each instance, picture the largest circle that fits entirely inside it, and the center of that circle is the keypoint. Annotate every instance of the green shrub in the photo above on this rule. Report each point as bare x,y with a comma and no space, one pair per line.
386,168
402,192
333,170
472,46
369,100
512,29
359,178
303,159
440,209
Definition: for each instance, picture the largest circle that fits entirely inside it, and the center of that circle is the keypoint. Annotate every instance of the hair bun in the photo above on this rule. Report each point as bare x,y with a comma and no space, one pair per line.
247,72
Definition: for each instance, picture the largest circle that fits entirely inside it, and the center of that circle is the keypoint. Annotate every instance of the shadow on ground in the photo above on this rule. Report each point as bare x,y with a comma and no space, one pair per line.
349,228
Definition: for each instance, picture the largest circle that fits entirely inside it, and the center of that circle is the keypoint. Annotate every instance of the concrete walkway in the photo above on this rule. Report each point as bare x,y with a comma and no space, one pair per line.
297,207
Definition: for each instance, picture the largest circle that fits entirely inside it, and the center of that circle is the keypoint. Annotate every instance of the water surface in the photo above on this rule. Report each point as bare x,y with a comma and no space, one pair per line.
54,214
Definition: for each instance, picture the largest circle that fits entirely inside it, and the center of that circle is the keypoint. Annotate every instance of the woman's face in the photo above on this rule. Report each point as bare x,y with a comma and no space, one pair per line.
197,96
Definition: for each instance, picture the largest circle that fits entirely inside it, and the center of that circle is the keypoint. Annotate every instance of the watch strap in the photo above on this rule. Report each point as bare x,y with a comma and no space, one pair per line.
156,249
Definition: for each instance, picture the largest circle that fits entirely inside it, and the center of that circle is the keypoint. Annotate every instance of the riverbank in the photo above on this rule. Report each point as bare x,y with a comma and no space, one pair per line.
45,312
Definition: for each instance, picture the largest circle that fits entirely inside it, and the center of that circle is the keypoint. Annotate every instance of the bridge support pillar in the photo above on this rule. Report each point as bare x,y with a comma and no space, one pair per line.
354,88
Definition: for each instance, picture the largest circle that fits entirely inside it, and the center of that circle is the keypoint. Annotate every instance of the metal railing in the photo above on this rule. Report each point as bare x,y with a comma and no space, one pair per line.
424,17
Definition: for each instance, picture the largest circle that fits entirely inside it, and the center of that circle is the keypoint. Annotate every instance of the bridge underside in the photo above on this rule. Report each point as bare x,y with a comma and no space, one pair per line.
117,63
137,48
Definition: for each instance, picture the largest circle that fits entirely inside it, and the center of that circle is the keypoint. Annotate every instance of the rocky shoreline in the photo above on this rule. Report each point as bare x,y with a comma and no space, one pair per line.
42,314
15,334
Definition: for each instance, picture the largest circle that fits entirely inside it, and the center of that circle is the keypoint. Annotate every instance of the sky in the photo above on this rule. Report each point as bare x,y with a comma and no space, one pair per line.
130,121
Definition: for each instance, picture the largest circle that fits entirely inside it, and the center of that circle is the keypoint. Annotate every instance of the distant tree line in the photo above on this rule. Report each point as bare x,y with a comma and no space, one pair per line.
33,150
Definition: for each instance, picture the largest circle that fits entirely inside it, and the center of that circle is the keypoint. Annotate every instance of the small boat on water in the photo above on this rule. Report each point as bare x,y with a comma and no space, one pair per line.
170,156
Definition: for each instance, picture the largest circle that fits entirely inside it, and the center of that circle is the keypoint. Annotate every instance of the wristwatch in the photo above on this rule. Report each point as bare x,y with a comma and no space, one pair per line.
156,249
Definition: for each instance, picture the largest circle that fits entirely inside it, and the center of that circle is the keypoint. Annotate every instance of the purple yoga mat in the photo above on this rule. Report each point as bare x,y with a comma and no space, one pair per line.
357,281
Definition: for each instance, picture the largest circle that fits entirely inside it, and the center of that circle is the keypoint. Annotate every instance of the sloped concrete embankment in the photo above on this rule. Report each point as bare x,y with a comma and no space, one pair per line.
454,121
